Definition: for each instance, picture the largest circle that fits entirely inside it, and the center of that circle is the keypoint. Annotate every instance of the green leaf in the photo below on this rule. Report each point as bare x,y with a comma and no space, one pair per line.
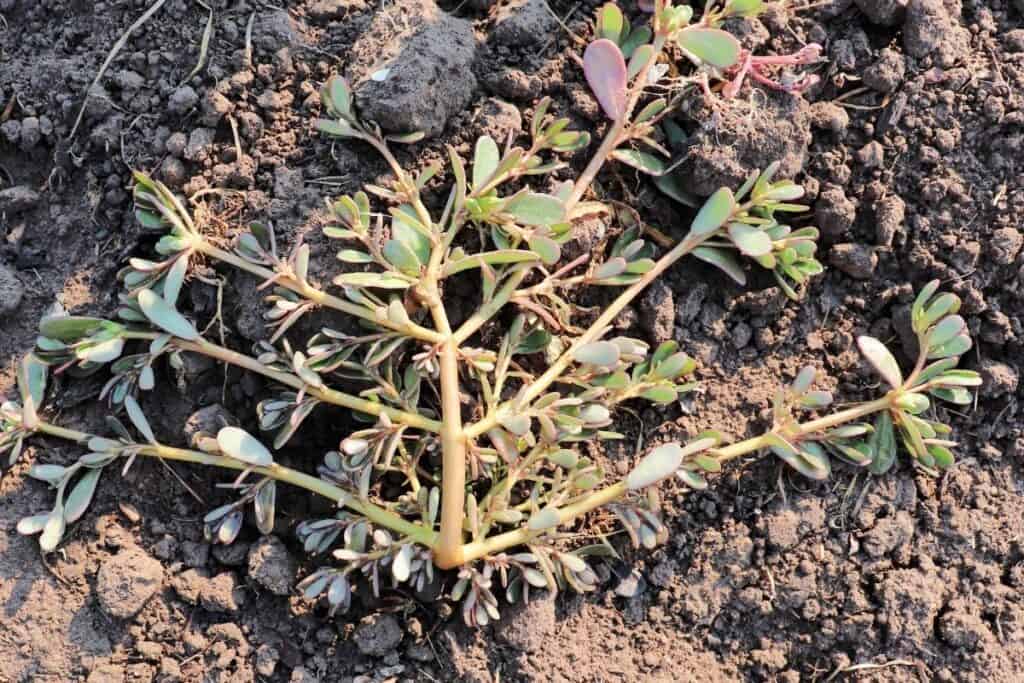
716,211
32,380
239,444
642,161
651,110
161,314
710,45
959,378
485,160
917,309
957,346
661,394
340,95
750,240
660,463
102,352
547,518
671,186
915,404
600,353
78,500
637,38
955,395
373,280
723,260
174,279
638,59
406,228
945,330
29,526
401,257
546,248
532,208
354,256
674,366
71,328
881,359
138,418
337,127
610,23
53,530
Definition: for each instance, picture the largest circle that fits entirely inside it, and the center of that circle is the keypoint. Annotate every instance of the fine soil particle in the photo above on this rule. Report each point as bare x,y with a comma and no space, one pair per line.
910,150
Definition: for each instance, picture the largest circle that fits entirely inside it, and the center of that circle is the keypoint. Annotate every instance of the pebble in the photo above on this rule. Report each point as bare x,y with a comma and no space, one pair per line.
377,635
856,260
126,581
272,566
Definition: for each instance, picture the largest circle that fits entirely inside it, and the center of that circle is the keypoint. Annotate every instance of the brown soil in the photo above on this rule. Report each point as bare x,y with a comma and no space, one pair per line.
912,150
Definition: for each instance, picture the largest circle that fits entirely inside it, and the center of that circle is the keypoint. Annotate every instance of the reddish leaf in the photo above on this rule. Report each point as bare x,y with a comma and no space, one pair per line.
605,69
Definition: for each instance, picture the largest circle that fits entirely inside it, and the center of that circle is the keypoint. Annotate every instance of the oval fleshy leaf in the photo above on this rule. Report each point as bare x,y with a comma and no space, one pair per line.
723,260
660,463
881,359
81,495
241,445
714,213
161,314
605,69
485,160
548,518
533,208
600,353
711,45
641,161
750,240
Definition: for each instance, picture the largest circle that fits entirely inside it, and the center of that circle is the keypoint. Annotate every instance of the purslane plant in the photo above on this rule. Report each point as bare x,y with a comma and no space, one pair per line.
482,441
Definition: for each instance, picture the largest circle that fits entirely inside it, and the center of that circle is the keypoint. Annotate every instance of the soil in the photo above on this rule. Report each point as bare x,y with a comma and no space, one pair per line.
912,152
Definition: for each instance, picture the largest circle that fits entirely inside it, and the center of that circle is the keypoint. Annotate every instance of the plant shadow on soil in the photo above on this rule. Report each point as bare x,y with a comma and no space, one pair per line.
911,153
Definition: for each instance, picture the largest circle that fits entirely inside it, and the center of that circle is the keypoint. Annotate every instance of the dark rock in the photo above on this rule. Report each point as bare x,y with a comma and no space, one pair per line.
883,12
524,23
428,75
886,74
889,214
200,144
206,422
856,260
657,311
1005,245
834,212
267,658
173,172
272,566
998,379
377,635
182,100
30,133
17,199
126,581
328,10
929,26
11,291
276,29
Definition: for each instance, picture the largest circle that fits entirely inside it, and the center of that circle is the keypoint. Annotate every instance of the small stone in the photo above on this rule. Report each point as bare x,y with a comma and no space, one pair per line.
230,633
657,311
741,335
126,581
689,308
30,133
1005,245
883,12
377,635
200,143
173,172
524,23
871,155
206,422
1014,39
214,107
221,593
234,555
856,260
272,566
176,144
886,74
150,650
182,100
497,118
11,130
997,379
266,660
195,554
834,212
965,256
829,116
928,24
328,10
889,215
11,291
18,199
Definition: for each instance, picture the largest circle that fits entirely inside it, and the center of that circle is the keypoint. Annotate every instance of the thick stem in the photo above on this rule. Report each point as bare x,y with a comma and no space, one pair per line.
374,513
593,333
323,393
495,544
614,137
448,552
318,296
